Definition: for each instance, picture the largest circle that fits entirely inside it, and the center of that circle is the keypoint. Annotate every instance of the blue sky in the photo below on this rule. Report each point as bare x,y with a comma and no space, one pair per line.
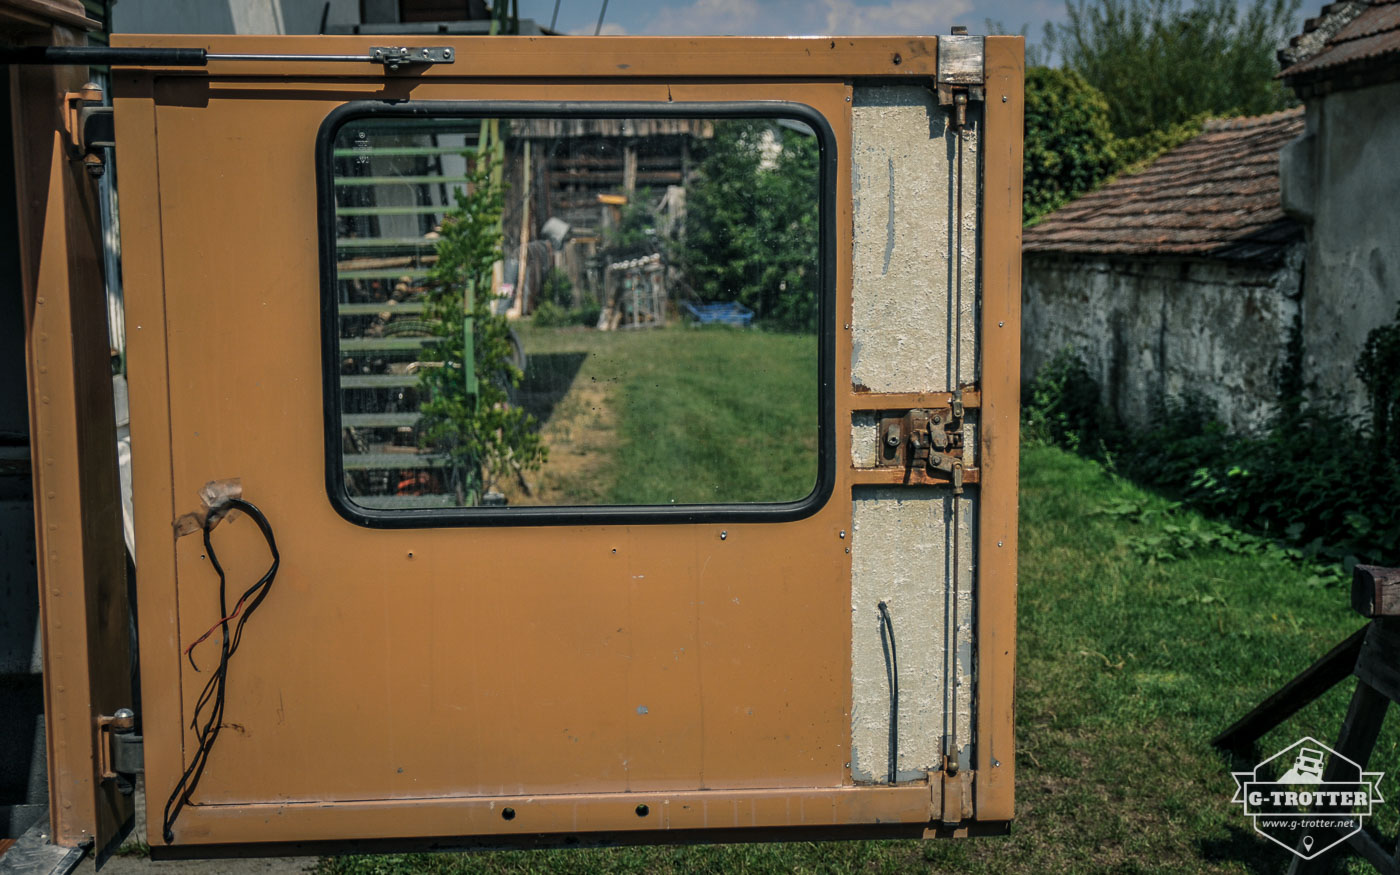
778,17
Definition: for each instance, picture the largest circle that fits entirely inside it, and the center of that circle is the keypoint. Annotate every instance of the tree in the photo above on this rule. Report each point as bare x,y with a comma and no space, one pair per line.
1069,147
466,415
751,222
1161,63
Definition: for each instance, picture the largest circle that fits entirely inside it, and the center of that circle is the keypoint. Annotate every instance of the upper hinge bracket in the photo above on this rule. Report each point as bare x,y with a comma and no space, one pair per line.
961,75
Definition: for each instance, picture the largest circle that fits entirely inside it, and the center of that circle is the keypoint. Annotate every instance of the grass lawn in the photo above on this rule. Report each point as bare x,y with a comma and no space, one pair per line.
1126,669
680,415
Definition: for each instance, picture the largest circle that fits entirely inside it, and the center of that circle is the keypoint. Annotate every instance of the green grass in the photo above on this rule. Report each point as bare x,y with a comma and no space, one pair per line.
1126,669
699,414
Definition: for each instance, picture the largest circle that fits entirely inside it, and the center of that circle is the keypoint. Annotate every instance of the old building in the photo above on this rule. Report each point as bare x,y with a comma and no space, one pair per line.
1341,180
1179,280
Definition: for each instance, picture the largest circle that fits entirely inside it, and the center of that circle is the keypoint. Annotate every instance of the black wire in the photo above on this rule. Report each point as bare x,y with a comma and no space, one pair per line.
892,673
215,688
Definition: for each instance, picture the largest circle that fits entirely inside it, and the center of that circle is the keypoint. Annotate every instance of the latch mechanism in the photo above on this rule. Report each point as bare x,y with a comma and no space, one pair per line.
927,438
393,57
961,77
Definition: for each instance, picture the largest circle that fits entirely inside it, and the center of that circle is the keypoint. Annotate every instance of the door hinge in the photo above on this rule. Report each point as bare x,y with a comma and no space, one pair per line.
121,755
89,127
961,75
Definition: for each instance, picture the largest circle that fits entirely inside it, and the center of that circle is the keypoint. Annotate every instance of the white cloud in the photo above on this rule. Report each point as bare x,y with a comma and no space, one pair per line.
894,17
609,29
708,17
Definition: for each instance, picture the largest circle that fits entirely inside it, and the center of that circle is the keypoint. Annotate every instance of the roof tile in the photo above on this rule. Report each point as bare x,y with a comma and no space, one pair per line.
1217,195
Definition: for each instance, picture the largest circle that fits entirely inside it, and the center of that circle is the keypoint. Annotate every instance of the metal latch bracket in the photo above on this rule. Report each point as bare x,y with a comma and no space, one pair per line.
961,75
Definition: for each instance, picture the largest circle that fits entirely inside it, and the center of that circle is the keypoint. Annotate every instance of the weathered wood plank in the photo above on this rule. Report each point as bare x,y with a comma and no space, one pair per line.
1316,679
1375,591
1358,737
1379,661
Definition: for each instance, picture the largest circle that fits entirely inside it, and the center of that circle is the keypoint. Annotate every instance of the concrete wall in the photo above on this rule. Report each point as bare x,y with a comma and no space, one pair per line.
1154,328
1342,180
914,329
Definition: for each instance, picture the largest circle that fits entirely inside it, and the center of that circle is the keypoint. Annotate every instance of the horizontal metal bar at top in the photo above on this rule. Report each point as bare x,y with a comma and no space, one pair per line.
387,461
385,242
378,381
396,180
379,420
384,273
409,308
403,151
431,209
380,344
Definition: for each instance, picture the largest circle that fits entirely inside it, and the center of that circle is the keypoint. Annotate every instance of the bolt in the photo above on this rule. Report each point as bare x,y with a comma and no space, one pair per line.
892,437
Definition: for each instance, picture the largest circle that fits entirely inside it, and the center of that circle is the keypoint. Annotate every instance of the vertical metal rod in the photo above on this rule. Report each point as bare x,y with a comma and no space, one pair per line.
555,17
951,761
604,11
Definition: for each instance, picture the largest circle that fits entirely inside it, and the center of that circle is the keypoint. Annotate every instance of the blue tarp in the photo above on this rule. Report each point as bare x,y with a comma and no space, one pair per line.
724,313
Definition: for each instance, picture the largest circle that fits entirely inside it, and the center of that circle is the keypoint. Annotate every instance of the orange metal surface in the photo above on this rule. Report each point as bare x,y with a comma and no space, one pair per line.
78,549
413,683
1000,428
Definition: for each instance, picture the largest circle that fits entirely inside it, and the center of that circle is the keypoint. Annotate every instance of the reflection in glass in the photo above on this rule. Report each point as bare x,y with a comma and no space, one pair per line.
637,300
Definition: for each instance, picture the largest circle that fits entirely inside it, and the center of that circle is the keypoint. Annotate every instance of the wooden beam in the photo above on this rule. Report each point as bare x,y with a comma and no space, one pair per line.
1375,591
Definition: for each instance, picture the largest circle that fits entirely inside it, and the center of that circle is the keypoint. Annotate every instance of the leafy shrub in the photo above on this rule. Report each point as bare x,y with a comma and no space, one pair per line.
1061,404
1314,481
1070,148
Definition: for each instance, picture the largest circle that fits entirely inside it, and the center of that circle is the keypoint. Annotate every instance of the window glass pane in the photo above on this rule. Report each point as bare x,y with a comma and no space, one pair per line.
577,311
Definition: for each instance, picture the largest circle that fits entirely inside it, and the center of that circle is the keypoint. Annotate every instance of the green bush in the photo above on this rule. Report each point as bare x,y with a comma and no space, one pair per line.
1312,480
1061,404
1069,147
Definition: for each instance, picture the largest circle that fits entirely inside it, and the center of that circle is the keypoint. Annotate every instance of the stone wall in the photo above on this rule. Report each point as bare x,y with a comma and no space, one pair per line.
1154,328
1342,180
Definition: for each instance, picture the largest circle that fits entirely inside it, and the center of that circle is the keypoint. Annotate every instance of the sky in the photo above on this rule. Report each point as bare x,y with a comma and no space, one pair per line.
792,17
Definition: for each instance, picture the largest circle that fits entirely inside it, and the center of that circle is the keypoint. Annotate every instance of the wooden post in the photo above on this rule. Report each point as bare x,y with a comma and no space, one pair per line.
1375,591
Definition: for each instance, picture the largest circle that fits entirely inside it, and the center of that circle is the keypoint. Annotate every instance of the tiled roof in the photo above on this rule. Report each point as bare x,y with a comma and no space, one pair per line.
1215,196
1372,35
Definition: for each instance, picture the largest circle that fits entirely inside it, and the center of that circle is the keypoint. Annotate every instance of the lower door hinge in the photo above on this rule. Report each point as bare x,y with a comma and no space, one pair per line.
121,756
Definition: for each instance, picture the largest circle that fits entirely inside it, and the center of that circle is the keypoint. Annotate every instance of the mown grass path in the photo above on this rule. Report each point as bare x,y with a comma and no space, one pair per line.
1126,670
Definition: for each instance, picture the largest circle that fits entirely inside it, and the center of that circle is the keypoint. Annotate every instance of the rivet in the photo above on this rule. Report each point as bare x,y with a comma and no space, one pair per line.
1001,324
643,810
848,100
848,549
410,554
1003,98
843,534
996,764
39,300
723,535
998,543
508,813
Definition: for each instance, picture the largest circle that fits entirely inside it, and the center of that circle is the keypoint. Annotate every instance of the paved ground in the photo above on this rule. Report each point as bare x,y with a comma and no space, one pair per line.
142,866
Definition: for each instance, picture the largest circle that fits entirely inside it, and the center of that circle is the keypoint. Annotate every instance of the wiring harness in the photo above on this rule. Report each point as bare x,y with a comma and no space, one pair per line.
210,705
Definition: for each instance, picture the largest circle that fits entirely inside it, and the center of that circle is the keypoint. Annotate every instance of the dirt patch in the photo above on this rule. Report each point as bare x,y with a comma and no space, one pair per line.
580,435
